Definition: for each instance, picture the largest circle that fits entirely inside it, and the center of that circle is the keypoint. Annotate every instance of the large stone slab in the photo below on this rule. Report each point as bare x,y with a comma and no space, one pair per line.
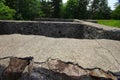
100,53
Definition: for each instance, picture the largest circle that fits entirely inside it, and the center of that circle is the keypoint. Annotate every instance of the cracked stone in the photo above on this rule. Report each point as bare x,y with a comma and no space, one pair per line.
52,69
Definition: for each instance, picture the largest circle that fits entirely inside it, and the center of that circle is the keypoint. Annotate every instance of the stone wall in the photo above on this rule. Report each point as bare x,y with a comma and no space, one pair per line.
100,33
77,30
42,28
54,19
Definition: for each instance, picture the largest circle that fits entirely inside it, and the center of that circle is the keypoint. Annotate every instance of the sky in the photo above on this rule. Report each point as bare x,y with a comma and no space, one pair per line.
110,3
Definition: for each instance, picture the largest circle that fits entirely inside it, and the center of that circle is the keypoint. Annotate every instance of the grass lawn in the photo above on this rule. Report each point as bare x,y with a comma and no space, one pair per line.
114,23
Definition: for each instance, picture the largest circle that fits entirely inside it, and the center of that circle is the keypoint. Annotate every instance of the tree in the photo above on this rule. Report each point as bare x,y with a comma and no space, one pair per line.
51,8
62,10
77,9
116,13
26,9
14,4
5,11
56,4
30,9
100,10
82,9
46,7
71,8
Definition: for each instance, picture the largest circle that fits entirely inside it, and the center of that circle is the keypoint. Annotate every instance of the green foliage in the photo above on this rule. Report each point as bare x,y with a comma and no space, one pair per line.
100,10
79,9
51,8
114,23
26,9
46,8
2,1
29,9
71,8
5,11
56,4
116,13
82,11
62,10
76,9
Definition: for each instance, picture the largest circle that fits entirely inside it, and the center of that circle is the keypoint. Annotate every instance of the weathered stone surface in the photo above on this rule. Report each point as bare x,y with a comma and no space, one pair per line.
49,29
87,53
54,19
76,72
77,29
99,52
93,21
15,68
53,69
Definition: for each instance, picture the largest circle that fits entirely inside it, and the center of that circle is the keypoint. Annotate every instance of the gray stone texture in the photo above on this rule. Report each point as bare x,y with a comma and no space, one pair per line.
101,53
80,42
77,29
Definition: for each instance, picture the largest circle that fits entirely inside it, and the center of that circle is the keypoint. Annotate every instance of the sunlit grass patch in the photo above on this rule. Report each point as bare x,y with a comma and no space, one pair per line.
114,23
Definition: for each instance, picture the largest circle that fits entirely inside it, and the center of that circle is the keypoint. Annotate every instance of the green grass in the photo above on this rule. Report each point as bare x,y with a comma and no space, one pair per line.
114,23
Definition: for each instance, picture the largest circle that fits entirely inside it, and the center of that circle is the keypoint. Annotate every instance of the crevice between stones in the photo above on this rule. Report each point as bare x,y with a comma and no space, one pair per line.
109,52
51,69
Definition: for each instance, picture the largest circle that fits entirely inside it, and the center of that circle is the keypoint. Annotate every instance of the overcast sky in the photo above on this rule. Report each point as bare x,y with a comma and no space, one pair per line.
110,3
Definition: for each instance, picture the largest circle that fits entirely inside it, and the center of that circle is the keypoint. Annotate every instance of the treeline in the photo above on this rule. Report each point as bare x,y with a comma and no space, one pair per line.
79,9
